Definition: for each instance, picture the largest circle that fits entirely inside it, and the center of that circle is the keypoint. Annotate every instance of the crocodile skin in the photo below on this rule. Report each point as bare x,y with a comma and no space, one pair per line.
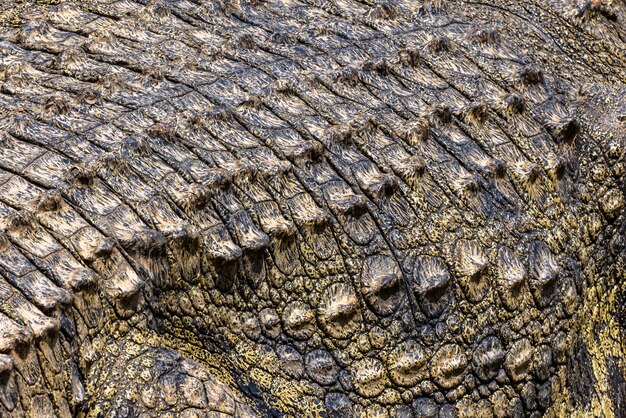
312,208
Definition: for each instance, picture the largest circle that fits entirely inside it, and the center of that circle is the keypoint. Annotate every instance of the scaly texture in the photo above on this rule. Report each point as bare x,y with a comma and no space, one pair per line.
312,208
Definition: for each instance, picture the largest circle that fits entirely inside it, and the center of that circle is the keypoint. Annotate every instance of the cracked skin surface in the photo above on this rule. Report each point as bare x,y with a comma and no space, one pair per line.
312,208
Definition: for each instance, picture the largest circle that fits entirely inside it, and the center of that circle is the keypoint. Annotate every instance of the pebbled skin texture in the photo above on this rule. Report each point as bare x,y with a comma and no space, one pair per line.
312,208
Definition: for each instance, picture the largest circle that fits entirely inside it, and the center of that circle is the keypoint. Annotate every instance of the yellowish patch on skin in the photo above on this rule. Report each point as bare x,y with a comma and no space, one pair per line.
604,339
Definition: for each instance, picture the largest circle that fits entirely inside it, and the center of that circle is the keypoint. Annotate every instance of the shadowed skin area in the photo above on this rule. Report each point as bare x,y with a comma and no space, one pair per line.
312,208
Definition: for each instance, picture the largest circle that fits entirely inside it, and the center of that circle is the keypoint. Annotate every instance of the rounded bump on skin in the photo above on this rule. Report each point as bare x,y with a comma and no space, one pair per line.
381,11
321,367
270,323
426,408
287,87
417,131
338,311
103,249
379,185
411,168
542,362
89,97
486,36
441,113
528,174
311,151
496,169
407,363
291,360
17,119
282,231
82,279
20,220
49,201
156,10
34,30
544,267
514,103
349,205
110,83
381,284
432,276
512,275
471,259
298,321
339,134
80,176
612,203
6,365
346,75
110,161
148,242
251,326
466,184
276,169
219,113
432,280
379,66
439,45
555,167
476,113
530,75
369,377
518,360
449,366
473,266
339,405
70,58
488,357
409,57
135,147
566,130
